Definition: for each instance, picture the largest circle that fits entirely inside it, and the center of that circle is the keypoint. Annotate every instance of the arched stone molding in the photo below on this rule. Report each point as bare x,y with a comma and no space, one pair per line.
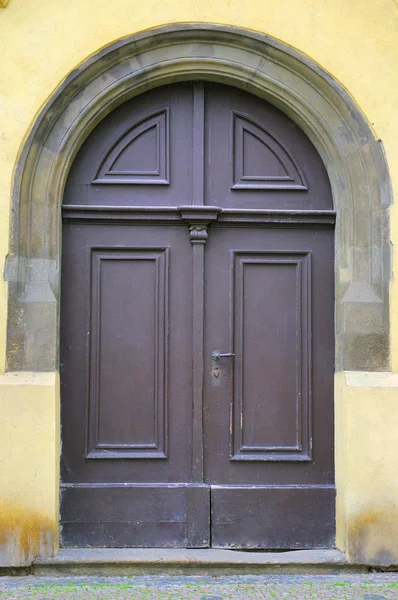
251,61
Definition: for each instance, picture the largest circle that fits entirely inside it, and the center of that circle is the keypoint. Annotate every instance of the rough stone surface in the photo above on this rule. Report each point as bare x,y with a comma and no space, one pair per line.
142,561
182,556
360,587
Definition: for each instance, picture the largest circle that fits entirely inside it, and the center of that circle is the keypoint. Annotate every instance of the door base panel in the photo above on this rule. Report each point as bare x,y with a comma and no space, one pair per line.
142,516
272,517
122,535
177,516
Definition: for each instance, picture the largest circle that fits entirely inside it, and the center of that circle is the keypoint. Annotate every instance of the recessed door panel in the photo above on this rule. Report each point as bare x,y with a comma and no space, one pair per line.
260,160
141,155
129,327
272,331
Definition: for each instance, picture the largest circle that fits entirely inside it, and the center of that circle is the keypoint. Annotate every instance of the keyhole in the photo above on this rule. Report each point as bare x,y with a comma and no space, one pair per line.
216,372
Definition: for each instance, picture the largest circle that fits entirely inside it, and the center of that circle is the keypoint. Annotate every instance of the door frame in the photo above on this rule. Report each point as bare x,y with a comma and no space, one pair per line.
260,65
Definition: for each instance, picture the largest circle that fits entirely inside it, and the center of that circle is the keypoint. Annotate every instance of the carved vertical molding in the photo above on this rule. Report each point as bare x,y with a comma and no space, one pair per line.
197,354
198,218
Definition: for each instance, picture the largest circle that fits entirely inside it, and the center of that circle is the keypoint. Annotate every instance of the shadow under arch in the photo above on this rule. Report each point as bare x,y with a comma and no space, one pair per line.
257,64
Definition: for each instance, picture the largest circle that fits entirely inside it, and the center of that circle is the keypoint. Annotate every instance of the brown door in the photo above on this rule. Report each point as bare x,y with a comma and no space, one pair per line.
197,222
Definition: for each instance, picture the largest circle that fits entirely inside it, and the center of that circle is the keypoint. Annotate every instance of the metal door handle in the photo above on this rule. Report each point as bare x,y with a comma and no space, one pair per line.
217,355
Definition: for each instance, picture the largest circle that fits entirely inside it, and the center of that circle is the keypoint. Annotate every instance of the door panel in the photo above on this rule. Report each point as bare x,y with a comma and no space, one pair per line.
126,375
268,414
115,515
139,155
273,517
129,326
271,328
257,158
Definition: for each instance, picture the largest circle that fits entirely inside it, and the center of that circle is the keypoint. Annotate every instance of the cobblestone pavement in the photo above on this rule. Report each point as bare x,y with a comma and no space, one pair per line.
260,587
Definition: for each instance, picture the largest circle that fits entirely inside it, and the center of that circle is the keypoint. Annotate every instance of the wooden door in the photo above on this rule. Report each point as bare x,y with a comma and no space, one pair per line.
126,352
269,301
271,471
197,222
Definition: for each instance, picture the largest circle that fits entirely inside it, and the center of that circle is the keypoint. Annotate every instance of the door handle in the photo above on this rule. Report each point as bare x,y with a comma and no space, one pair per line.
216,355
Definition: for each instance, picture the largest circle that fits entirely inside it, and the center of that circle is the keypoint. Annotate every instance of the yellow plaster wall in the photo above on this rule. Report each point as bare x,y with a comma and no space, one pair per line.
367,467
29,451
40,43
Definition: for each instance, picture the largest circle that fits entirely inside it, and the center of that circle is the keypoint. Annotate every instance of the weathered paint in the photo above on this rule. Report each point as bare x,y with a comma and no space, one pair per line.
357,44
367,466
24,534
29,450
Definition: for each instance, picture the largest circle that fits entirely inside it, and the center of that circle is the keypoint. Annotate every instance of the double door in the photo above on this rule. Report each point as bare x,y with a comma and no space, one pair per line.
197,329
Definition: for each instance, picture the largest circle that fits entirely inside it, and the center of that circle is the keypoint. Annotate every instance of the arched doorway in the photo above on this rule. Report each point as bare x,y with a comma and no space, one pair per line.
263,66
197,328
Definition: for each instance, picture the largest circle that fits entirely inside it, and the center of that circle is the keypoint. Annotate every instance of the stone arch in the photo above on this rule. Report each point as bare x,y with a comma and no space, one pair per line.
258,64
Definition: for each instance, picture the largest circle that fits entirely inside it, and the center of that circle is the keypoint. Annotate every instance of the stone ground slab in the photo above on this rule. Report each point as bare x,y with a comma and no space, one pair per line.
250,587
119,562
